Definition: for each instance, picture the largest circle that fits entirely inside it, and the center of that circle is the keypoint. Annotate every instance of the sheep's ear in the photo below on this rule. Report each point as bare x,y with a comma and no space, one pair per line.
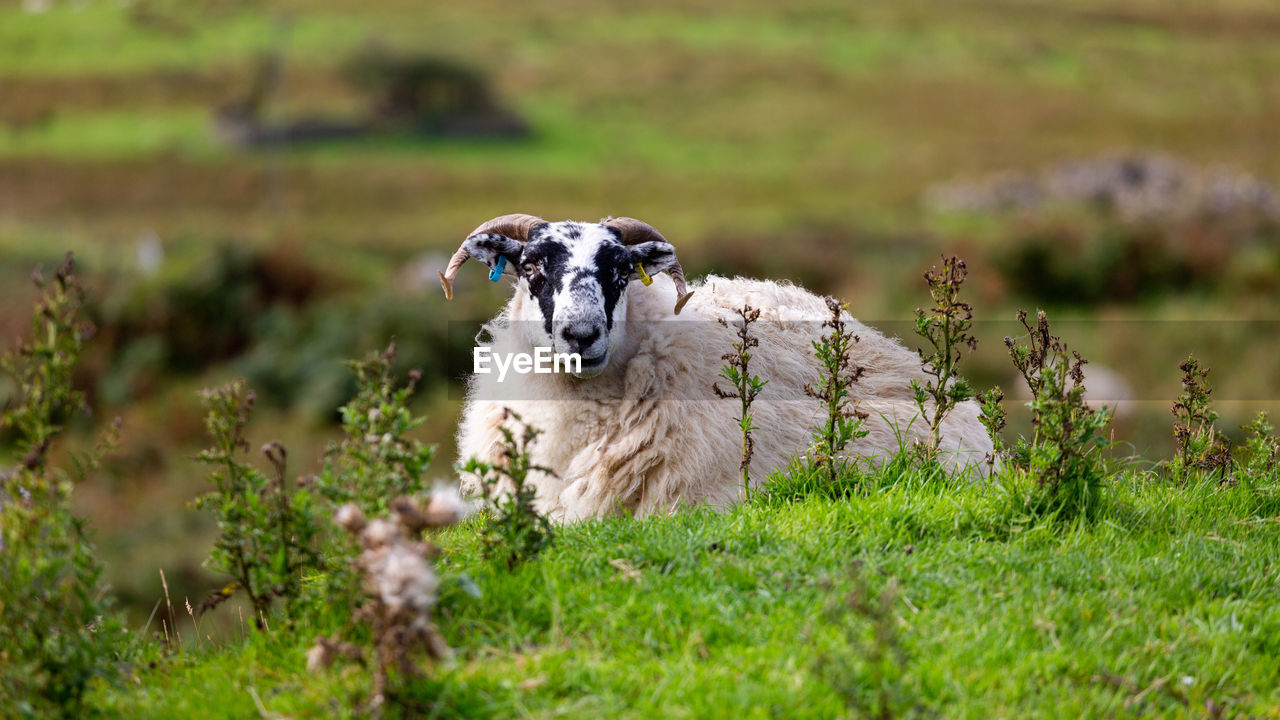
488,247
655,256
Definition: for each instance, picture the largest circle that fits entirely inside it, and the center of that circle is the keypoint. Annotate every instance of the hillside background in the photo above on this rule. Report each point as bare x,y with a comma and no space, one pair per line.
267,188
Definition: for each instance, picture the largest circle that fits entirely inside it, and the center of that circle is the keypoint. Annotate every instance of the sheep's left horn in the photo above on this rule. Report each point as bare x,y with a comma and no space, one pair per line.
635,232
517,227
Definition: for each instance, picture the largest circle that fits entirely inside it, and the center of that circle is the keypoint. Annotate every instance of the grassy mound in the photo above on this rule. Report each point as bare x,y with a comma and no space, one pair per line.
1166,605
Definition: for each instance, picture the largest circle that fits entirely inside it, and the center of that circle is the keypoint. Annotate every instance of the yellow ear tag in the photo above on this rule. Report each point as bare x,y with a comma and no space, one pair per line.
644,276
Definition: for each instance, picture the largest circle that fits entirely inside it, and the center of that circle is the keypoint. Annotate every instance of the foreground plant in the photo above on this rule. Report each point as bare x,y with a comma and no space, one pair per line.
398,592
737,373
1200,447
1259,457
945,327
842,421
514,530
1064,455
267,529
994,419
373,463
58,632
376,461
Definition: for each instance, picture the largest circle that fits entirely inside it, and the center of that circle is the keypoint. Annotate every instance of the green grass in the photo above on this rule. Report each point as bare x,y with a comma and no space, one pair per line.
1167,602
114,134
104,37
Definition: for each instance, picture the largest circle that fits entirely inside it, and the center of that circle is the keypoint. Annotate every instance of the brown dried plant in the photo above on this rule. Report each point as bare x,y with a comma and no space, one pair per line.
945,327
842,421
1064,454
399,588
1200,446
745,385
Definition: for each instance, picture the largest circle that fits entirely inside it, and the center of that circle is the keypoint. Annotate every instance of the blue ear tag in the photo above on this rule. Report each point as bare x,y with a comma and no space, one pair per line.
644,276
496,273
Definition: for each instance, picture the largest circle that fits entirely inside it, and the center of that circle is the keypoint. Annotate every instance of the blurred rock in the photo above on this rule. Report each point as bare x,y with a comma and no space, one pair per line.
1134,186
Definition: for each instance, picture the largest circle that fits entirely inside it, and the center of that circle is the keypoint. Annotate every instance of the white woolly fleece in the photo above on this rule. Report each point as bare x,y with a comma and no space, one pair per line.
648,435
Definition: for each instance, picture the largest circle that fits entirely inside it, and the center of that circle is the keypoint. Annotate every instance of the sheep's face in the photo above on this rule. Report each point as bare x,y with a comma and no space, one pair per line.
573,280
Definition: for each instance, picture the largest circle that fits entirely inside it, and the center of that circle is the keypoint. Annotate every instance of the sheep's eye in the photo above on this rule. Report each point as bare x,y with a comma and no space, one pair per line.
530,269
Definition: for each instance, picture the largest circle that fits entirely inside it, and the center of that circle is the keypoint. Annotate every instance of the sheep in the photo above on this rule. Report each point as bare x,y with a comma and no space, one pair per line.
636,427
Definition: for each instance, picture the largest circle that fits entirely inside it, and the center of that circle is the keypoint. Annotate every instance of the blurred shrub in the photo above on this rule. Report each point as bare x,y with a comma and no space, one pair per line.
373,465
264,312
298,357
399,592
1130,186
197,313
1259,455
376,462
267,529
1066,264
425,93
1124,226
57,632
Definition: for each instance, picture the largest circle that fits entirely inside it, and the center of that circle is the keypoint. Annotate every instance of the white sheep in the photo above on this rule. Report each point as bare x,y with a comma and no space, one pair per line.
638,429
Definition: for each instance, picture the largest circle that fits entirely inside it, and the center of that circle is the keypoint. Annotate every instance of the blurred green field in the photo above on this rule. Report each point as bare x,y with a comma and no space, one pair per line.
703,118
792,140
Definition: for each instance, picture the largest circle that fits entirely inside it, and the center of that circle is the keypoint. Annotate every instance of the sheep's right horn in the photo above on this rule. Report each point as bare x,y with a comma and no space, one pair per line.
635,232
517,226
682,292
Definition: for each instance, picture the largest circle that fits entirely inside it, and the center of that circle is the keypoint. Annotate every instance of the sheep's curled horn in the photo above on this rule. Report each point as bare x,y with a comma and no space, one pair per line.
519,227
635,232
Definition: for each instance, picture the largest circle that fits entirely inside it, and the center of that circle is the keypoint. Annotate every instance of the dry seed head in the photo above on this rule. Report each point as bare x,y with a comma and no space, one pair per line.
404,580
350,518
409,515
379,533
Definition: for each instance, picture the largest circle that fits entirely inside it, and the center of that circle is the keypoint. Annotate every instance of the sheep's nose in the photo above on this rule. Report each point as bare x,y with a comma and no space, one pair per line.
580,335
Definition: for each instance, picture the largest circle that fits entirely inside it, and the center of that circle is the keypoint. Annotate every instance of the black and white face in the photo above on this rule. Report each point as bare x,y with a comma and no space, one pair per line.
573,277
